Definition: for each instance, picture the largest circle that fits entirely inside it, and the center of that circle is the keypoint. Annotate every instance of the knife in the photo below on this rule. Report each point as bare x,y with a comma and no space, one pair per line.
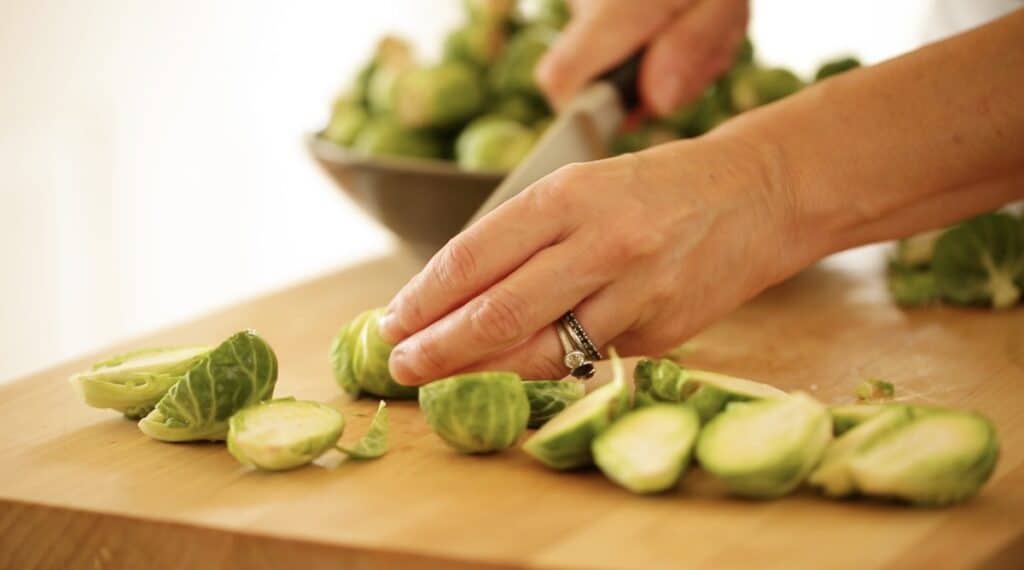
580,133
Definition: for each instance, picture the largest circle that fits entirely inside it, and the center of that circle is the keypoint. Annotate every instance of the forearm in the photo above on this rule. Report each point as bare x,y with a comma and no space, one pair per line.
914,143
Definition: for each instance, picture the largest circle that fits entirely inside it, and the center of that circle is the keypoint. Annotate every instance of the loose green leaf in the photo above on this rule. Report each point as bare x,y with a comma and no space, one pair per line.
375,442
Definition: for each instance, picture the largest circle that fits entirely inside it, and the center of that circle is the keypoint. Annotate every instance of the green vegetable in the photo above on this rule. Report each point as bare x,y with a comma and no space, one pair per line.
359,358
492,143
942,457
554,14
513,71
478,43
489,11
479,412
375,443
875,390
835,67
134,382
745,52
755,86
240,372
647,450
833,474
565,441
384,137
917,251
980,261
845,418
701,116
283,434
642,137
441,96
347,119
549,397
525,109
391,60
765,449
911,287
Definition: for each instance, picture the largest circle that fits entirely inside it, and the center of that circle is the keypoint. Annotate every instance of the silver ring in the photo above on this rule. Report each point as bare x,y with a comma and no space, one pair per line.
580,337
579,350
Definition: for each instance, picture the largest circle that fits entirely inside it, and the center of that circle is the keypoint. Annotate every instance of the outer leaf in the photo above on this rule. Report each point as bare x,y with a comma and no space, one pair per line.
549,397
375,442
980,260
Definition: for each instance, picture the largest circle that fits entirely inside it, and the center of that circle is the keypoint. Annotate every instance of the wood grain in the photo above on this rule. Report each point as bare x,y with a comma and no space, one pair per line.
82,488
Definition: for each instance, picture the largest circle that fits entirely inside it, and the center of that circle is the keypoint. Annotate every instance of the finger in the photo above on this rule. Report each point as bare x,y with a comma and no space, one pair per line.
532,297
694,49
597,38
470,263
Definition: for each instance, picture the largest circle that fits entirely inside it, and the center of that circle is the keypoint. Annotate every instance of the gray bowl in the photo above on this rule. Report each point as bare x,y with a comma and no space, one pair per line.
423,202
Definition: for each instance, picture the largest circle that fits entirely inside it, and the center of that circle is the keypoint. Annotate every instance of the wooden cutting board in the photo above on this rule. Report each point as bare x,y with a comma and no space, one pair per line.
80,487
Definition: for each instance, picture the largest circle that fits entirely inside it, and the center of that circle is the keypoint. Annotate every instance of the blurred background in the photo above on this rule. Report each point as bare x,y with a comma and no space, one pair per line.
152,165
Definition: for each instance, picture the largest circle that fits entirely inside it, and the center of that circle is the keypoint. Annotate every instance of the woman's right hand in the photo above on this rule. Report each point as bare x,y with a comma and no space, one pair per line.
690,43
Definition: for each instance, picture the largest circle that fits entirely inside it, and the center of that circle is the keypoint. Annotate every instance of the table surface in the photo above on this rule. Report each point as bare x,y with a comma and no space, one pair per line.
81,487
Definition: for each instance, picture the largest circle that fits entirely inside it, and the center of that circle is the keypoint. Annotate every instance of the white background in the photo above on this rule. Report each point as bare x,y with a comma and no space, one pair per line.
151,157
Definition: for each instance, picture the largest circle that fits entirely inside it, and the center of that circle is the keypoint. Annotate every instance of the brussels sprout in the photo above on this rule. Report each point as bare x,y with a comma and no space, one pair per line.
564,442
642,137
833,474
912,287
359,358
347,119
765,449
513,72
134,382
663,380
479,412
549,397
384,137
478,43
444,95
240,372
942,457
980,261
375,443
283,434
744,53
835,67
492,143
752,86
489,11
875,390
392,59
845,418
554,14
525,109
917,251
647,450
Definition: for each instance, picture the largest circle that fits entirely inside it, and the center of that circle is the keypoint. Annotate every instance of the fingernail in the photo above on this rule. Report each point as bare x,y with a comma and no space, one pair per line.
398,365
667,93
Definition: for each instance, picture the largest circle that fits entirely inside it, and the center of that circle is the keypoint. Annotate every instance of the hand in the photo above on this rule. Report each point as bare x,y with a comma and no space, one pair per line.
647,248
691,42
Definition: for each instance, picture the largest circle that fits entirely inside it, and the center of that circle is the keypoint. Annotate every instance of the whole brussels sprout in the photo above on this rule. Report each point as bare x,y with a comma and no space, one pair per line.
384,137
477,43
492,143
554,14
441,96
347,119
134,382
489,11
514,70
549,397
642,137
765,449
981,261
752,86
521,108
240,372
700,116
391,60
910,286
359,358
283,434
745,52
479,412
835,67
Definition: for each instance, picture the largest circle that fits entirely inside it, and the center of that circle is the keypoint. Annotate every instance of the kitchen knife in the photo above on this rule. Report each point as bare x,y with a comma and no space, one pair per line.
580,133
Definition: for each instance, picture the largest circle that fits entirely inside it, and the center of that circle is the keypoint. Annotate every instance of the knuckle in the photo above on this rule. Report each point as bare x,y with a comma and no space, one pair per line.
558,190
456,264
500,317
545,366
635,240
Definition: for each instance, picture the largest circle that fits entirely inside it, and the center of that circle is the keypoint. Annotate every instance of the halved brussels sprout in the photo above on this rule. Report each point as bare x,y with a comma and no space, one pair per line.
835,67
917,251
765,449
942,457
514,70
240,372
647,450
359,358
347,119
444,95
479,412
980,261
376,441
549,397
134,382
752,86
564,442
833,474
492,143
910,286
283,434
845,418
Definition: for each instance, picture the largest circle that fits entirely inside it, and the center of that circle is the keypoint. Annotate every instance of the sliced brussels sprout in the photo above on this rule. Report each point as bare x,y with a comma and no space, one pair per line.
493,144
347,119
283,434
565,441
835,67
845,418
980,261
479,412
525,109
134,382
375,443
753,86
549,397
441,96
647,450
912,287
942,457
833,474
392,59
916,251
513,72
642,137
359,358
875,390
765,449
477,43
240,372
382,136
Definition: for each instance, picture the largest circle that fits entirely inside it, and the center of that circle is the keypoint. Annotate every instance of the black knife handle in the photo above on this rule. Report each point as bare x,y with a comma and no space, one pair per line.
624,78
